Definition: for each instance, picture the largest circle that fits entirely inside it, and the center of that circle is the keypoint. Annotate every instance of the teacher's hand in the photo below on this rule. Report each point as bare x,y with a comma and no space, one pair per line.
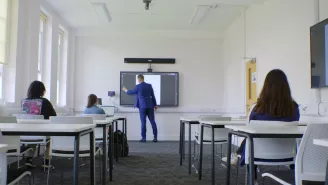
124,89
155,107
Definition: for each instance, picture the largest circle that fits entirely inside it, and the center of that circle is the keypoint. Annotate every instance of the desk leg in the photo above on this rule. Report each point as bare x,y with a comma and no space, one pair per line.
213,157
229,159
326,183
92,158
200,165
183,140
126,127
180,143
123,130
251,160
180,138
116,146
110,152
76,160
104,149
189,163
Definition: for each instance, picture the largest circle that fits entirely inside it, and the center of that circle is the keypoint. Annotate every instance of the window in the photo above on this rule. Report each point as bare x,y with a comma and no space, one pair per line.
43,19
3,37
61,68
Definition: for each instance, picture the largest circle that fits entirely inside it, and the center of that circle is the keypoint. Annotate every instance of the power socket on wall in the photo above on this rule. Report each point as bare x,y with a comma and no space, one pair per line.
309,109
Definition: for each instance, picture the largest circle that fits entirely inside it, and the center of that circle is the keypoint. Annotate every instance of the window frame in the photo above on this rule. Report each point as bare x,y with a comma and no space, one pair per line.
62,66
42,45
7,35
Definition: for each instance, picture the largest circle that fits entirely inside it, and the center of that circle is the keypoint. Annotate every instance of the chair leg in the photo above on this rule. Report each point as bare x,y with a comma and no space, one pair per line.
39,149
29,180
100,166
237,172
48,176
18,159
194,149
246,175
221,153
62,178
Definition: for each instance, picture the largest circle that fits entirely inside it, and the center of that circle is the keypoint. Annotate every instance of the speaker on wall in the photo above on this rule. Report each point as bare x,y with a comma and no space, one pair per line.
149,60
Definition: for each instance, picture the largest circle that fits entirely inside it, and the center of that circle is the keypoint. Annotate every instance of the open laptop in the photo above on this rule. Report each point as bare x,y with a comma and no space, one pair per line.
109,110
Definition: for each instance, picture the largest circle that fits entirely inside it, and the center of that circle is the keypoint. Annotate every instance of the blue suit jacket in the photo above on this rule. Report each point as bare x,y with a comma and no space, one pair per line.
145,97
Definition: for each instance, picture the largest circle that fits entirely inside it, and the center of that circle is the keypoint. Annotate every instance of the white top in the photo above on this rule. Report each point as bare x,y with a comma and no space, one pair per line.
3,148
321,142
14,127
231,122
46,121
189,119
103,122
119,117
269,129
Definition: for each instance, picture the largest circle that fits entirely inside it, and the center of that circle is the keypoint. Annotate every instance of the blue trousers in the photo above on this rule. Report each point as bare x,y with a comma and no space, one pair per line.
150,113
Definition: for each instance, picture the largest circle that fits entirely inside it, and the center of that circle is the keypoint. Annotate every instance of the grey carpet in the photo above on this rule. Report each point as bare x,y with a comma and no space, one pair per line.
148,164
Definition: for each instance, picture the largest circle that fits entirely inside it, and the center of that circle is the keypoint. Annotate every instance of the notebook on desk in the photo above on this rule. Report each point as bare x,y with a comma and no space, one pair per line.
109,110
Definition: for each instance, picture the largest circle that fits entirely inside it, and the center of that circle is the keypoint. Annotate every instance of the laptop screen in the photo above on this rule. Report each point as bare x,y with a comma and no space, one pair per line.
109,110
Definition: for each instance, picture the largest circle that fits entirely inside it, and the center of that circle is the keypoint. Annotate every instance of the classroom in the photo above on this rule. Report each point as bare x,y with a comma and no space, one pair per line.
164,92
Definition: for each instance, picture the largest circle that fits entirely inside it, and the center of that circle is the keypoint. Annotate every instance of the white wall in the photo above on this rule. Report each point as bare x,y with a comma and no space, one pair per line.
277,34
21,69
99,61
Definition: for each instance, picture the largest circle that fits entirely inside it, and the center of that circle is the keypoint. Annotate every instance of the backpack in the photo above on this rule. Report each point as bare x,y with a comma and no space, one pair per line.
121,139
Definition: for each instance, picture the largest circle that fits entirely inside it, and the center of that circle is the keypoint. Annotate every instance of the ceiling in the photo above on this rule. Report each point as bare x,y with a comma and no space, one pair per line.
163,14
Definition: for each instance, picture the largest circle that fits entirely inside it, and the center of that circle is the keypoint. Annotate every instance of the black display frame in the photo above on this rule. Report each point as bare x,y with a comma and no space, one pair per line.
324,22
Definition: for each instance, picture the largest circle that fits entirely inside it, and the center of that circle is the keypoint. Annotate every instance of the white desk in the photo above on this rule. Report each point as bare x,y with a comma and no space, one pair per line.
213,125
104,124
76,130
259,131
324,143
183,122
98,123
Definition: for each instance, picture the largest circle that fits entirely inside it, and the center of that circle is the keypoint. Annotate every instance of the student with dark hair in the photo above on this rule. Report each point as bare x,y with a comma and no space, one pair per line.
35,104
92,107
275,103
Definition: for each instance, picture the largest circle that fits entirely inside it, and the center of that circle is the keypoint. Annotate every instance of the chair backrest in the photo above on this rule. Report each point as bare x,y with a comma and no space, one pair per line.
67,143
279,149
98,131
70,120
95,116
28,116
221,133
8,119
311,159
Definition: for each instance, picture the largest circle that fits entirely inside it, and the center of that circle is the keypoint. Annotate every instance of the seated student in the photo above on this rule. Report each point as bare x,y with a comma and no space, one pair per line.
92,107
35,104
275,103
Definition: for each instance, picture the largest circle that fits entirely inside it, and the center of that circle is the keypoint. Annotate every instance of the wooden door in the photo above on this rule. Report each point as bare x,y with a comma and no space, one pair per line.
251,81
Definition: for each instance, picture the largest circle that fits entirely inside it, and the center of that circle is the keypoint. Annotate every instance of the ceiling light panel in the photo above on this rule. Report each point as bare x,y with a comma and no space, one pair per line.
201,13
102,11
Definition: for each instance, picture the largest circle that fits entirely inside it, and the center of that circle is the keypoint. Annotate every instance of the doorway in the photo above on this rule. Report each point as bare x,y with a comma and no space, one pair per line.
251,84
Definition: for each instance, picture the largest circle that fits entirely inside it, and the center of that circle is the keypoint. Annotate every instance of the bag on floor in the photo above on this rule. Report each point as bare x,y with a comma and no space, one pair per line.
121,138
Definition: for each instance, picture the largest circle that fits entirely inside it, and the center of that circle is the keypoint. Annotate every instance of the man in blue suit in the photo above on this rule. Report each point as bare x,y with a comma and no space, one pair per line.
146,102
